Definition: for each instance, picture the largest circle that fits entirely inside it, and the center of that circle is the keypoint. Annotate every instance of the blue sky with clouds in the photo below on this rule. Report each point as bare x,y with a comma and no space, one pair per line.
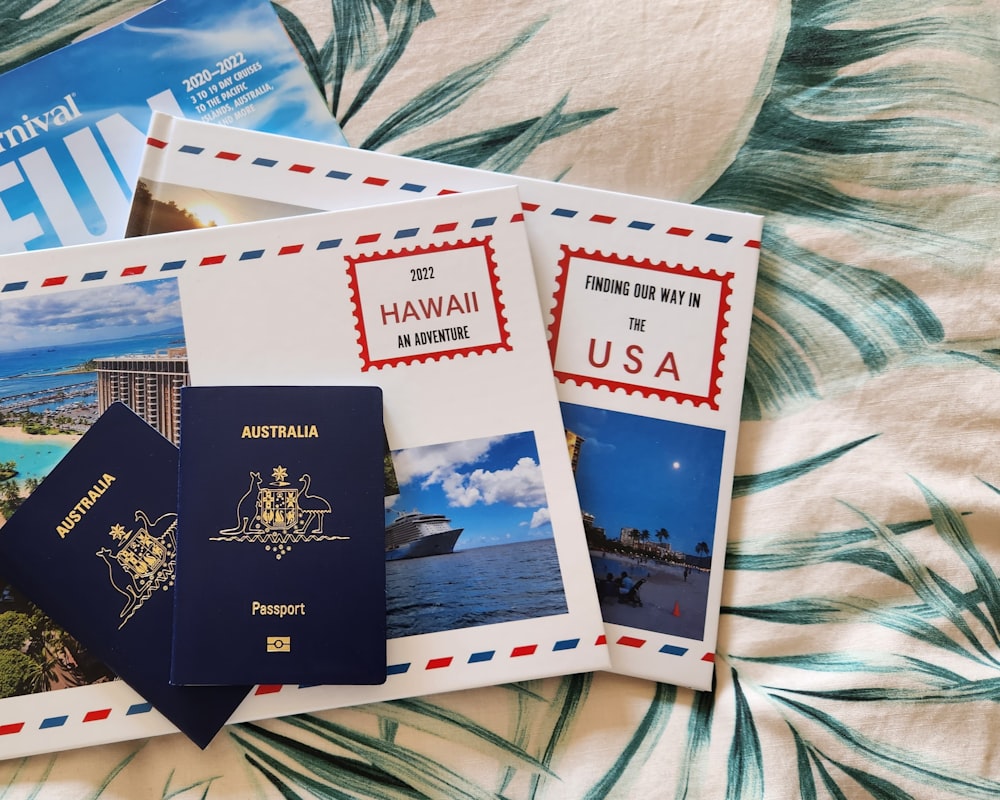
644,473
492,487
124,310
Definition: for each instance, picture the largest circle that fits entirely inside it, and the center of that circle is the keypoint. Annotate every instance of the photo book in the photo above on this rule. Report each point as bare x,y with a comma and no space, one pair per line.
95,545
647,307
74,121
280,557
433,302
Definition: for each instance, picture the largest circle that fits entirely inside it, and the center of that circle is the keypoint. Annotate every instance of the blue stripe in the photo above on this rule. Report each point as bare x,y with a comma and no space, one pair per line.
340,176
406,233
264,162
486,655
566,644
14,287
250,255
95,276
412,187
53,722
190,148
640,225
484,222
139,708
329,244
169,265
673,650
397,669
718,237
563,212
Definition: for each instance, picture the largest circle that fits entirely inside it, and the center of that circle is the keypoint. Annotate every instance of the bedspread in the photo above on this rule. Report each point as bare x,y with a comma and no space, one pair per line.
859,646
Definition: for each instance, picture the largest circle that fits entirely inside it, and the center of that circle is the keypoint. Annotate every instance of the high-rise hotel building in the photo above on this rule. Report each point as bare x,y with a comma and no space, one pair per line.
148,384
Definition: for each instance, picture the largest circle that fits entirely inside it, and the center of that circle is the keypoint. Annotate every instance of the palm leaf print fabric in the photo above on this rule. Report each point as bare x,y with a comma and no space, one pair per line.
859,648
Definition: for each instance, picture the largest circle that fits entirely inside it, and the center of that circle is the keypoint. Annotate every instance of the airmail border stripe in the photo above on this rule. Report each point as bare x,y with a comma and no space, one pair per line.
214,259
437,663
714,237
95,715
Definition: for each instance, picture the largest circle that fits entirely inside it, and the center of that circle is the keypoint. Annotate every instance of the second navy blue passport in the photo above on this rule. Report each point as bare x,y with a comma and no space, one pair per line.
281,557
94,548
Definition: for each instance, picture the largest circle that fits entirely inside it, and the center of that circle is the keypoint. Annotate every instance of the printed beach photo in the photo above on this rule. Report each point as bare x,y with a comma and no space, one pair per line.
65,358
166,207
468,537
649,496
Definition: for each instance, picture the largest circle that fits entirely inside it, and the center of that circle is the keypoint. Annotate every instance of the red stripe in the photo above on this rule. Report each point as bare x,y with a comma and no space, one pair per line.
268,689
439,663
524,650
529,206
368,238
602,639
519,217
226,156
448,191
13,727
290,249
98,715
376,181
444,227
631,641
680,231
133,271
710,657
752,243
156,143
54,281
301,168
602,218
209,261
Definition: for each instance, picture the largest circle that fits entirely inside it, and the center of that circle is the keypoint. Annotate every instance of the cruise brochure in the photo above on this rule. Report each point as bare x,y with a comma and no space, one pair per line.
647,305
95,547
74,121
433,301
280,569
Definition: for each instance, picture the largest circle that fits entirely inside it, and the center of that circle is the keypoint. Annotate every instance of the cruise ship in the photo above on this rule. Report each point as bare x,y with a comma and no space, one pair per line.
414,535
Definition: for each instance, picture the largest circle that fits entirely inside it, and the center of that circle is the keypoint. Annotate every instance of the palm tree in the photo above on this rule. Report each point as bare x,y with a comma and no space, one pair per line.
701,548
663,535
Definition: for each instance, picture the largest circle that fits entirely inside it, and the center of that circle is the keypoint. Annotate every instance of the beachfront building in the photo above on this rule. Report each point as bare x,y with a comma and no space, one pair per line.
574,443
148,384
633,537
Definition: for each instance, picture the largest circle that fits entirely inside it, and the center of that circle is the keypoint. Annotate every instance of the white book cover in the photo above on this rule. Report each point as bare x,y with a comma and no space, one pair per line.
647,307
432,300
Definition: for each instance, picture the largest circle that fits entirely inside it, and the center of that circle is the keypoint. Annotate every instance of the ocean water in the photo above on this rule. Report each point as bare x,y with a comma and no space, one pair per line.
38,367
480,586
32,460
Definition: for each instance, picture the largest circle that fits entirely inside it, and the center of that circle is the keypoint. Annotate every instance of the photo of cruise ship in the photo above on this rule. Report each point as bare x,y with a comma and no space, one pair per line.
415,535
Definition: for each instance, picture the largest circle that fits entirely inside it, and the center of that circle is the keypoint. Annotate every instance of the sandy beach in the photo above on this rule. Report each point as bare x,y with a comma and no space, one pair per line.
12,433
670,604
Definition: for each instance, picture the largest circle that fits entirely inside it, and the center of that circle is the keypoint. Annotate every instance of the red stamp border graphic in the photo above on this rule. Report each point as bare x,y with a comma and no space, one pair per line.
725,286
490,257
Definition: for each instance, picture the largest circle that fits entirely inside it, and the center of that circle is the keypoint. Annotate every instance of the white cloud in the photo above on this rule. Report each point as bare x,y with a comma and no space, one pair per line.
88,314
540,517
435,463
520,486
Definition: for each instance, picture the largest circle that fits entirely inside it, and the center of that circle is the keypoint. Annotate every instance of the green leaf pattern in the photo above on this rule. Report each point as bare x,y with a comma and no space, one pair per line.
876,142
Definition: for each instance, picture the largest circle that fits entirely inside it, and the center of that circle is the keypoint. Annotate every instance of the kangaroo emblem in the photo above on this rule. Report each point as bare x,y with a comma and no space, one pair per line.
143,562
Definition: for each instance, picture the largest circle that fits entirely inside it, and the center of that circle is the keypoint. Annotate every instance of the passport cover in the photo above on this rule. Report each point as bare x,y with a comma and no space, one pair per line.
94,547
280,569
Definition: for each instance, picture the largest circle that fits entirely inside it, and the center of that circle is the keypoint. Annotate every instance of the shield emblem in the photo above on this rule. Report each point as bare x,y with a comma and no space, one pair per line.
143,555
279,508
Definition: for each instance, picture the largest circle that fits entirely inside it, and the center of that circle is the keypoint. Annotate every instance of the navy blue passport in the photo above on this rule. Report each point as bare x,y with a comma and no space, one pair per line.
94,548
281,555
